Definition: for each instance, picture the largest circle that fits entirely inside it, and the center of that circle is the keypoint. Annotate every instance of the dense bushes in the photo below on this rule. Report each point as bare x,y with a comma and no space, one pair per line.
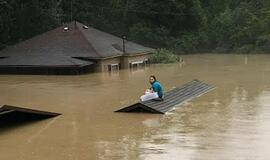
240,29
163,56
183,26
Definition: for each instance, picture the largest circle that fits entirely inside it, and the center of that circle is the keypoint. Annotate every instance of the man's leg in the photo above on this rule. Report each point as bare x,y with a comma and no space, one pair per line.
158,99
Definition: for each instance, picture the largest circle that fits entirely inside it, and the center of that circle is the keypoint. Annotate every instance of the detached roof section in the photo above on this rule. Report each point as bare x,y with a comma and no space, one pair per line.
70,45
11,116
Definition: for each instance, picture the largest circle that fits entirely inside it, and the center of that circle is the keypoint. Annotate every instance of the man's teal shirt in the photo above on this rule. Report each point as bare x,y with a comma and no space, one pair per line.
158,88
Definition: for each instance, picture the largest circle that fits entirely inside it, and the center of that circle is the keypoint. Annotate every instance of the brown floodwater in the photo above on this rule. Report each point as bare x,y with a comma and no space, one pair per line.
230,122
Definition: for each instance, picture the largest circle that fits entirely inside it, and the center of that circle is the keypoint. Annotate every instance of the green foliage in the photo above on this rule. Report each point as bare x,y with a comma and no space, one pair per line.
157,37
183,26
20,20
187,43
241,28
163,56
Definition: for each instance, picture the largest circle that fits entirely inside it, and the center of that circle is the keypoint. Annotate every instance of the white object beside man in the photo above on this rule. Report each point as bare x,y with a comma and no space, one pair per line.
148,96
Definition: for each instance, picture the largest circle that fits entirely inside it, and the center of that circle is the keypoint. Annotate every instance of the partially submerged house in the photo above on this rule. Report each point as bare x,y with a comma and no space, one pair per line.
73,48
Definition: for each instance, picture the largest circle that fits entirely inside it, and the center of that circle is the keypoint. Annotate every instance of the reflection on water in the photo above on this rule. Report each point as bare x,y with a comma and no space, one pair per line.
231,122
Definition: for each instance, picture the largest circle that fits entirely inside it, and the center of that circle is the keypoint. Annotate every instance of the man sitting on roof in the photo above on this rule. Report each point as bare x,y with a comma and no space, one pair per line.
155,92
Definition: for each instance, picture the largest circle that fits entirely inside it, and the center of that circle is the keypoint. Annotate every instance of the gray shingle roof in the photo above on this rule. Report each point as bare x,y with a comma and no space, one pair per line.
58,48
107,45
54,42
76,42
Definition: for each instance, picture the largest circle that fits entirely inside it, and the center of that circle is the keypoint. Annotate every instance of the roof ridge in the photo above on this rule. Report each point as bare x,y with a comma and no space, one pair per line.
84,36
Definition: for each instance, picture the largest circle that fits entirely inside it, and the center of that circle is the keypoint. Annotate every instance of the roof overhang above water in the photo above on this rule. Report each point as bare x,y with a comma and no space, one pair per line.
12,114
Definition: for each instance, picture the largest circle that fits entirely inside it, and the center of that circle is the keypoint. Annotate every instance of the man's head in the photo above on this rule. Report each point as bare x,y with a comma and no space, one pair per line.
152,79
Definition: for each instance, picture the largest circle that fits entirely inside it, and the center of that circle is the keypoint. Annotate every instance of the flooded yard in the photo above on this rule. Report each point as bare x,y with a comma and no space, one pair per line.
230,122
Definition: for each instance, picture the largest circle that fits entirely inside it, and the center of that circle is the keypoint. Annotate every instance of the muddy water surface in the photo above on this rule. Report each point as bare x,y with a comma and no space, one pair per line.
230,122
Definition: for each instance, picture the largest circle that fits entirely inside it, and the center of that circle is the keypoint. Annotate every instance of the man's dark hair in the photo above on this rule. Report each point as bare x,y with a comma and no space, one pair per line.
152,76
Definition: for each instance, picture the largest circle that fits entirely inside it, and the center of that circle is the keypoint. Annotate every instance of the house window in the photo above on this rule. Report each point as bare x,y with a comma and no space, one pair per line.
113,67
146,61
136,64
